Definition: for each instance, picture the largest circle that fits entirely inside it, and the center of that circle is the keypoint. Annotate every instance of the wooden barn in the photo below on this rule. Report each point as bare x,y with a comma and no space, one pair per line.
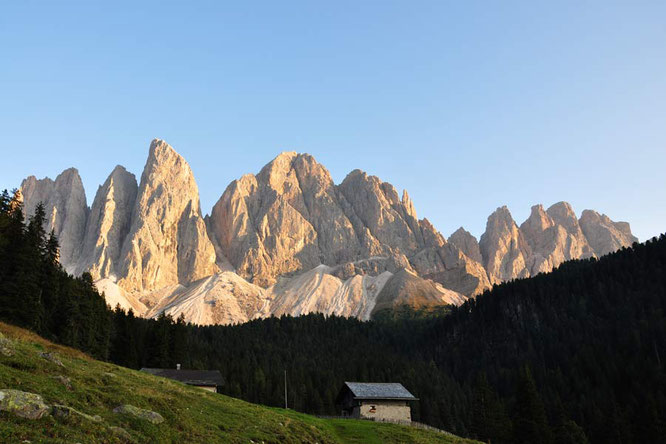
375,400
206,379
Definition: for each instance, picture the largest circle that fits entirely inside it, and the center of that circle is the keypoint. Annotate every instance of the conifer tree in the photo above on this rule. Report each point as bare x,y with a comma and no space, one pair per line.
529,419
489,419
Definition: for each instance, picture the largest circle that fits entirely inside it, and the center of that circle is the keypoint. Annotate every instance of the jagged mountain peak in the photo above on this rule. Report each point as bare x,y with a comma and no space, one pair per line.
108,225
501,214
408,204
119,170
604,235
293,173
563,213
302,242
538,221
66,210
504,248
167,242
467,243
71,172
160,148
461,231
562,207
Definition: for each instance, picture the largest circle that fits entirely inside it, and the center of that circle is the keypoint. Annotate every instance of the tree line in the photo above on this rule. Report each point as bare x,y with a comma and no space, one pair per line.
571,356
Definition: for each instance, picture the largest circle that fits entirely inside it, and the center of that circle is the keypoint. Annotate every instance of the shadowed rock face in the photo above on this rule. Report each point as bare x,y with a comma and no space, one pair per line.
66,210
459,273
604,235
406,288
108,225
467,243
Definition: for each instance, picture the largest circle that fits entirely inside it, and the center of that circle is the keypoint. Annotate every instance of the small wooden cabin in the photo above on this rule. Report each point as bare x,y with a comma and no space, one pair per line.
376,401
206,379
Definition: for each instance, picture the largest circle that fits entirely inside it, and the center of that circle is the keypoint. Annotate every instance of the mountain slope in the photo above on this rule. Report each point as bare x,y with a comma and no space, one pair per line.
593,334
69,378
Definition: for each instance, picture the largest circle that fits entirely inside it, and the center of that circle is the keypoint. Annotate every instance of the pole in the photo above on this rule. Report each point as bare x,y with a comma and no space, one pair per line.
285,389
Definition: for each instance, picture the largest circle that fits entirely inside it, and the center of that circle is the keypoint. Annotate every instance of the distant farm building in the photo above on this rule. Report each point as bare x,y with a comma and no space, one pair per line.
376,401
206,379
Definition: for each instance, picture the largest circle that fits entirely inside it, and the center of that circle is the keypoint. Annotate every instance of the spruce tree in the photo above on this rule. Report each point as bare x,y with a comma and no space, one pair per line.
529,418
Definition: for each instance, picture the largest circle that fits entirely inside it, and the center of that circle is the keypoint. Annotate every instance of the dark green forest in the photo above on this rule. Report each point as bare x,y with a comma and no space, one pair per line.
572,356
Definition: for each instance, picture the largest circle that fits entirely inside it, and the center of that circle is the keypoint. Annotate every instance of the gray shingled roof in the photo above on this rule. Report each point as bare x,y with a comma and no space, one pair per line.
379,390
190,377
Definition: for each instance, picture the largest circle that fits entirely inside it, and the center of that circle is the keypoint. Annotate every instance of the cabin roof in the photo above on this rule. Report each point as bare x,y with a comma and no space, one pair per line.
379,390
190,377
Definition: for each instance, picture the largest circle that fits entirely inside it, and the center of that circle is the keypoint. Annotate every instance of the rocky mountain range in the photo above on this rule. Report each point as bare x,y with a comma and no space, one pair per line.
288,240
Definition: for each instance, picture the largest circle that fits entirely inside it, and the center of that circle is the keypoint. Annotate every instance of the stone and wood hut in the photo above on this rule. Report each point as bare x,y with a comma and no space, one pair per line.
376,401
206,379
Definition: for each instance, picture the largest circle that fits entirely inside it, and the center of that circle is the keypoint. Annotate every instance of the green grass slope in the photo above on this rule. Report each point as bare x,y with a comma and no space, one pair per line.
191,415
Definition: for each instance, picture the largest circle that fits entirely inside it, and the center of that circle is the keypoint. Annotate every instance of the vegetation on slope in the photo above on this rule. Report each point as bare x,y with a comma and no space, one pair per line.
191,415
568,356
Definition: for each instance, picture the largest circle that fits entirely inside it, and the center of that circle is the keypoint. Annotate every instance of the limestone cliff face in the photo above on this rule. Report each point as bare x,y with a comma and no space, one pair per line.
458,272
554,236
504,249
167,242
545,240
604,235
467,243
577,246
66,210
292,217
286,218
108,225
291,241
387,225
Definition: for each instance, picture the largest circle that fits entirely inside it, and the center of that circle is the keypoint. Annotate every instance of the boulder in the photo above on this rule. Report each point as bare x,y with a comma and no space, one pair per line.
148,415
23,404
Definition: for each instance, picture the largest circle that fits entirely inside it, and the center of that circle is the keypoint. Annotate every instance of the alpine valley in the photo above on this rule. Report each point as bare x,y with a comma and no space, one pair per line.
288,240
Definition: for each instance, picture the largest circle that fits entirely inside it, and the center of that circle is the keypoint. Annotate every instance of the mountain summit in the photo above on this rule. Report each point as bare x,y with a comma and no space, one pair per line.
288,240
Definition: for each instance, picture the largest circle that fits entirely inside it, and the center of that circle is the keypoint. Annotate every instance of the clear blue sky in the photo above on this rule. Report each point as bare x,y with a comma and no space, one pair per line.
467,105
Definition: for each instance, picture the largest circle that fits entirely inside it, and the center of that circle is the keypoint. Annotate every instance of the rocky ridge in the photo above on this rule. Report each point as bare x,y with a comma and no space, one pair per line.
288,240
66,210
